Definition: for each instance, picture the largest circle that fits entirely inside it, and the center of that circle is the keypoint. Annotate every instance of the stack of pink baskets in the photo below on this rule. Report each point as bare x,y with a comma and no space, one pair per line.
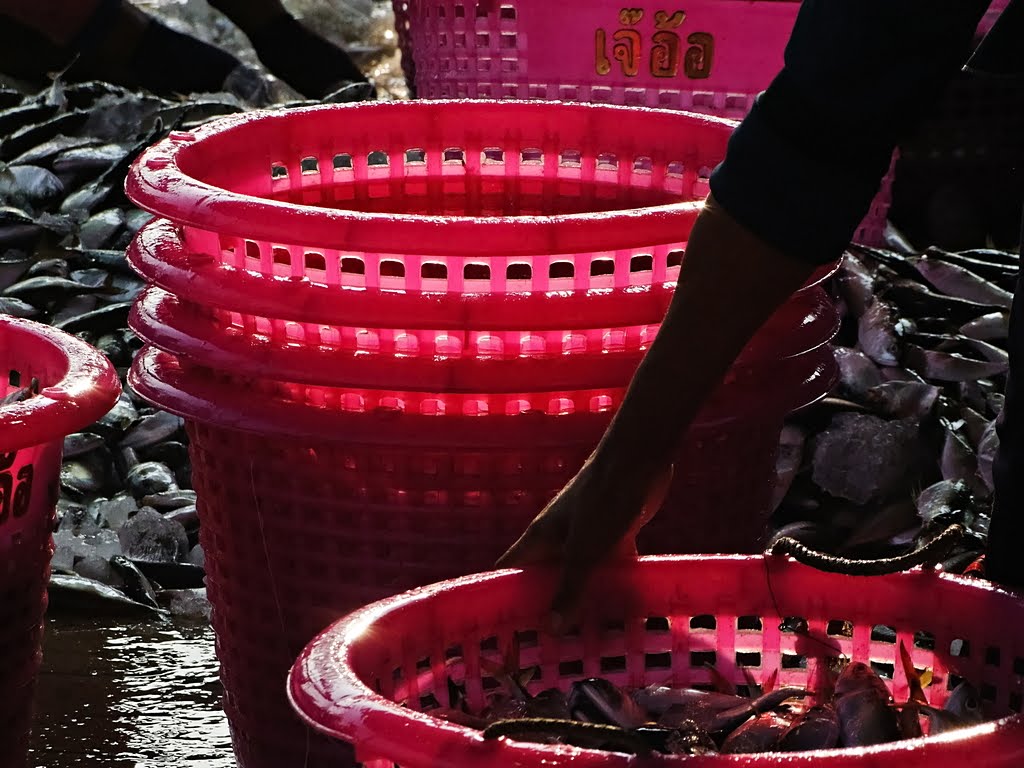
396,330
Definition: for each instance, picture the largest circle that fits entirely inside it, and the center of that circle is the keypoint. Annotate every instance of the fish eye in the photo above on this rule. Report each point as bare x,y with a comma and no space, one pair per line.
971,703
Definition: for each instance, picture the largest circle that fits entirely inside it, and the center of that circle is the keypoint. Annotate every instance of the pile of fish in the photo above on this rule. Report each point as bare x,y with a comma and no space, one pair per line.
904,446
846,705
127,522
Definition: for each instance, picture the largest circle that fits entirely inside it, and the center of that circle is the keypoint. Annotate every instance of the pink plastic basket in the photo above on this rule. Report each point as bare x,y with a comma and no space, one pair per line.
711,56
661,620
77,386
308,512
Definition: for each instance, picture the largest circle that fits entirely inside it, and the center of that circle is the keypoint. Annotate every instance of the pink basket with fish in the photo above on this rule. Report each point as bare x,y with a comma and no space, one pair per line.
54,385
309,511
373,678
711,56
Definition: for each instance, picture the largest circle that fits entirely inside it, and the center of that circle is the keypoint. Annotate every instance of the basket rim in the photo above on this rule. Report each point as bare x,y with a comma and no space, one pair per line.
157,183
158,254
380,720
87,390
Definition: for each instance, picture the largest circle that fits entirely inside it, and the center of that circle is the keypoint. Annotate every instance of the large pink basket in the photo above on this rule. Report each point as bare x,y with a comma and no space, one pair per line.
77,386
661,620
309,511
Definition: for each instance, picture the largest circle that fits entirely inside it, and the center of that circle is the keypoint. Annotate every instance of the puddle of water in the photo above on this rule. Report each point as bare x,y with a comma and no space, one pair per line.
129,696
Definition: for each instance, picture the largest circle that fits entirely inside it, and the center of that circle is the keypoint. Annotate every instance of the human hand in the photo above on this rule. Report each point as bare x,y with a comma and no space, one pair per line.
593,520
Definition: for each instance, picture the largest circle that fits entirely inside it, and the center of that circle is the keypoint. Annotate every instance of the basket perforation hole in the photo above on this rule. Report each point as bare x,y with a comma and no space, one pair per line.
952,681
493,155
281,256
429,702
960,648
599,267
252,250
675,169
657,624
1016,702
423,664
987,692
703,658
477,272
674,259
415,156
642,165
883,669
392,268
658,660
460,12
642,262
508,12
278,171
508,40
613,664
455,155
342,161
794,661
615,625
518,271
481,10
570,668
351,265
460,39
752,659
560,269
315,260
746,691
483,39
531,156
377,158
607,161
432,270
1018,666
14,378
309,165
397,675
570,158
453,652
489,643
489,683
992,656
881,633
705,621
924,640
748,624
528,638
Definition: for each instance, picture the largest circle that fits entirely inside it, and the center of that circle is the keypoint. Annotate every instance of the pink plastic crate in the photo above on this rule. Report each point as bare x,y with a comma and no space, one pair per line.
652,619
308,512
77,386
442,361
707,56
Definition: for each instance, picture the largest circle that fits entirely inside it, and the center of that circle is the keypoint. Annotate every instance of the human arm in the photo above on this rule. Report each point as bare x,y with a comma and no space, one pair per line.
799,175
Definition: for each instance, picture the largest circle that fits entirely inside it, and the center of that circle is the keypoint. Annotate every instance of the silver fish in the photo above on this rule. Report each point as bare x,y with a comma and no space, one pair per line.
863,704
817,728
954,280
857,372
899,399
762,734
788,461
856,284
994,326
987,448
949,366
942,498
876,333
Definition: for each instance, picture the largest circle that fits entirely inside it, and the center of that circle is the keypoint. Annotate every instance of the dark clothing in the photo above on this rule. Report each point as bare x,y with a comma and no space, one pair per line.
804,165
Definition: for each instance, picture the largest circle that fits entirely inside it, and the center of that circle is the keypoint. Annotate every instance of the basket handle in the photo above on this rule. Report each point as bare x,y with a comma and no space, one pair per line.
930,553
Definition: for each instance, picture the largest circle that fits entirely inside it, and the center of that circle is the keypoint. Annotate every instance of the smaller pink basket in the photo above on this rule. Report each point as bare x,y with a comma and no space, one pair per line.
77,386
371,678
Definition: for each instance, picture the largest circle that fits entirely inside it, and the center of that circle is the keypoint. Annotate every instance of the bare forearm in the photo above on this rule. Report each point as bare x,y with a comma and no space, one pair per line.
730,283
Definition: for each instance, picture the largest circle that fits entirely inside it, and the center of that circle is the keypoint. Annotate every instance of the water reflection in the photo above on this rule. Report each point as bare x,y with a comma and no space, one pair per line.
133,696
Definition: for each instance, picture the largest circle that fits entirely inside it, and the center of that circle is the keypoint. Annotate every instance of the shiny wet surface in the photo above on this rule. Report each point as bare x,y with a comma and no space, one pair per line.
142,695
